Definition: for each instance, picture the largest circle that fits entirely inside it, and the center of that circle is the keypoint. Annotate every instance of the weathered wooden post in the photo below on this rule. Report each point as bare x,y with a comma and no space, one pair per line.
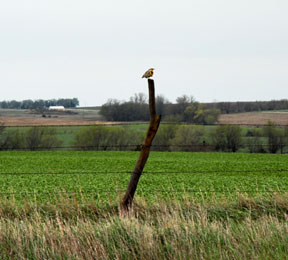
145,150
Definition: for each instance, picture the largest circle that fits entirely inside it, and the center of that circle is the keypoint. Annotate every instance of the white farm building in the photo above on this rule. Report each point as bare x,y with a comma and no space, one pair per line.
57,108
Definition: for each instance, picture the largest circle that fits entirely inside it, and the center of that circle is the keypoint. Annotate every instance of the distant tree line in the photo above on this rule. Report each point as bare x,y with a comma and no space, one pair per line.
170,137
225,138
186,109
39,103
33,138
239,107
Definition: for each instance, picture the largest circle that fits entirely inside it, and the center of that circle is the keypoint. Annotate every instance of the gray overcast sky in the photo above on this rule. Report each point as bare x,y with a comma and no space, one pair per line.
224,50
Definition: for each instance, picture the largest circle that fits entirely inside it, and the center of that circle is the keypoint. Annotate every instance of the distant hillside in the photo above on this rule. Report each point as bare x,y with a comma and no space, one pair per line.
248,106
254,118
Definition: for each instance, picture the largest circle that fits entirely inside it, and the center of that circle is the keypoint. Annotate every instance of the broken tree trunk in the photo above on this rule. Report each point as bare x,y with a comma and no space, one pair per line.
145,150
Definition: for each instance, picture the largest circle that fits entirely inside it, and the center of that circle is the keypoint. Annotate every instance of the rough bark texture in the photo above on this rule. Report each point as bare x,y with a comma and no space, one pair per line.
145,150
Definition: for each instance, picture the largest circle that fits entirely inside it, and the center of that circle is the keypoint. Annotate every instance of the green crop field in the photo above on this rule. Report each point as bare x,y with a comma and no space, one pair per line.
106,174
65,205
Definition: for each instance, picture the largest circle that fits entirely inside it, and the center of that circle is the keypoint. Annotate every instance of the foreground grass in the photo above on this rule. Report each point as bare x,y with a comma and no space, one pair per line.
248,228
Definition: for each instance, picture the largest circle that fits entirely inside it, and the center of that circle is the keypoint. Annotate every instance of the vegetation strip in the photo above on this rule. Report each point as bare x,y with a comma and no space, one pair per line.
187,138
159,172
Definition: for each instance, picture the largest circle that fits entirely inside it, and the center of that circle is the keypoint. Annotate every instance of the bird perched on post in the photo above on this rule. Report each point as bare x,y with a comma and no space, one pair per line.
149,73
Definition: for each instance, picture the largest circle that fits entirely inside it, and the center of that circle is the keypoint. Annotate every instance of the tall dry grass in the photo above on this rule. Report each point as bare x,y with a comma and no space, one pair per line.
247,228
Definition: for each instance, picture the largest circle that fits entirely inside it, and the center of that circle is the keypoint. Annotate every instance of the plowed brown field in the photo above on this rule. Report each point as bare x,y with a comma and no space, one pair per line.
19,118
254,118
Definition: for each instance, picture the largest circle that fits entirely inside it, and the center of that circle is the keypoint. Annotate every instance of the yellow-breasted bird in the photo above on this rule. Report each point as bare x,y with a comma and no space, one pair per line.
149,73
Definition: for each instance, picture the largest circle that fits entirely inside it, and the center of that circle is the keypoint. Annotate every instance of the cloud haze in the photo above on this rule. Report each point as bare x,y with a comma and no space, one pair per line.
94,50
